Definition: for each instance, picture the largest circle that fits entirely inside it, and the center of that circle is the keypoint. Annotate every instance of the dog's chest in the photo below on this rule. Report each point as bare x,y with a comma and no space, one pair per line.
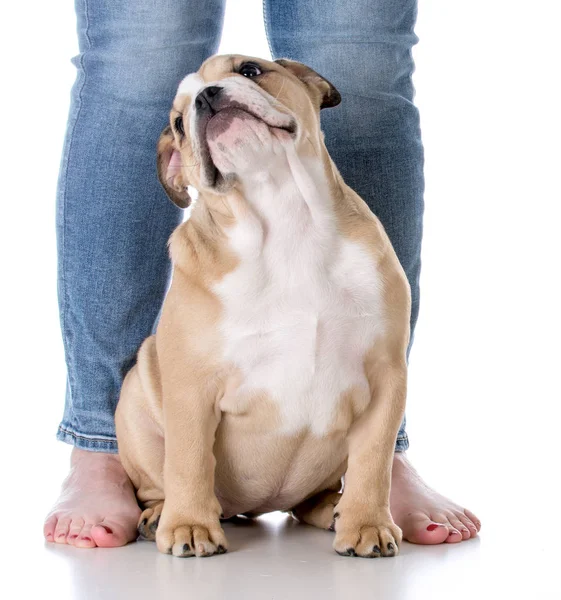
300,312
297,324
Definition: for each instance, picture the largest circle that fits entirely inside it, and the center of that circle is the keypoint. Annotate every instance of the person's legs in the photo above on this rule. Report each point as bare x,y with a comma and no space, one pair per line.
364,48
113,223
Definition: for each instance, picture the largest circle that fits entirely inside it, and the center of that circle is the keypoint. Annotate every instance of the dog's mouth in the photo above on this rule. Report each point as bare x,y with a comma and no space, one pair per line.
215,123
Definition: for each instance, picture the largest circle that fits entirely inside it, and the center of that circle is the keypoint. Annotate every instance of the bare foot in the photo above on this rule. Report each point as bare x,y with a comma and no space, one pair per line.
97,505
425,516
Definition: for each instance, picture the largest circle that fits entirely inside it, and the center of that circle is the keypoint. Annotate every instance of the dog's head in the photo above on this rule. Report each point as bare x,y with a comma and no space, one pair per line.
232,117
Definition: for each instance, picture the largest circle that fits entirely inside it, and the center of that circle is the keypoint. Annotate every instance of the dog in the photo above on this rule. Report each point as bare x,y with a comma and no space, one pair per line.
278,367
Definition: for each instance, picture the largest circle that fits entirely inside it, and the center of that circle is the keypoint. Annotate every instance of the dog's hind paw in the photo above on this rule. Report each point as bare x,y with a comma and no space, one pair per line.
148,522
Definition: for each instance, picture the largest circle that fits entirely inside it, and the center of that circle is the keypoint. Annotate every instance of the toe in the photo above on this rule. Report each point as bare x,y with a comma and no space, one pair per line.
473,519
454,536
74,531
49,528
418,528
445,517
369,544
460,527
61,530
110,534
85,539
467,522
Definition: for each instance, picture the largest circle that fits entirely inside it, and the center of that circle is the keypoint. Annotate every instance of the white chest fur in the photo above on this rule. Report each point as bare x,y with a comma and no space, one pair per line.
302,307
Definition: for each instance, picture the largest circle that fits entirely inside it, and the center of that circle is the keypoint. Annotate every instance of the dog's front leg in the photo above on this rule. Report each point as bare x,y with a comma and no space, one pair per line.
190,520
363,524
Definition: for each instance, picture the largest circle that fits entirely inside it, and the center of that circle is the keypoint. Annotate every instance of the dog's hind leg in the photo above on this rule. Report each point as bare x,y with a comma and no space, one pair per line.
319,510
140,436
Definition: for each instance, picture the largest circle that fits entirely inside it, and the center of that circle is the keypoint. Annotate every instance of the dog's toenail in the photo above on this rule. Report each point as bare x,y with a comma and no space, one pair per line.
170,550
108,529
332,526
351,552
336,515
376,549
154,524
221,549
143,522
391,547
186,548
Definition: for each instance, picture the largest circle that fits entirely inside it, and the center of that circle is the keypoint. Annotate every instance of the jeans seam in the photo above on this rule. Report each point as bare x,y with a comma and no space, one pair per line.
79,436
65,303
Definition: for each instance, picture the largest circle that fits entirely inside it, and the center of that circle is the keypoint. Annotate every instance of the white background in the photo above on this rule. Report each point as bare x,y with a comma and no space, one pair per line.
484,401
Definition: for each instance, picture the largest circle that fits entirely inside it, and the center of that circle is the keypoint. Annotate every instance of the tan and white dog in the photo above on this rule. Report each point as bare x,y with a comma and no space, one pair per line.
279,362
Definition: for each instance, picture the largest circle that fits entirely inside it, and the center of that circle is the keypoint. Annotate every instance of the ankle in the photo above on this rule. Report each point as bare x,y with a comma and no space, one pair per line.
82,457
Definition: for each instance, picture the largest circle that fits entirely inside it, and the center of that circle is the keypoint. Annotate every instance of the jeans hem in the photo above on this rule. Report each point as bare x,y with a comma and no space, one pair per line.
87,442
402,443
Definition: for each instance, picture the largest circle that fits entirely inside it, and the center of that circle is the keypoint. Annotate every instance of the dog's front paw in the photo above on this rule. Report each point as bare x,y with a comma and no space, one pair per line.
367,534
190,538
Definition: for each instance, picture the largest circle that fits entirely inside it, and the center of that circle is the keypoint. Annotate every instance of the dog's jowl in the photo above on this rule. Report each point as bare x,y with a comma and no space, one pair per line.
279,362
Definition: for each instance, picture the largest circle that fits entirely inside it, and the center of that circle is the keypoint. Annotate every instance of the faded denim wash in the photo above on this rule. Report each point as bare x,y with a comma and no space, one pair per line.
113,218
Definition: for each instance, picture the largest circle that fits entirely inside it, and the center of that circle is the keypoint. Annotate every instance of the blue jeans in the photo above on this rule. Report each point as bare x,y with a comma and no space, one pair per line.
113,218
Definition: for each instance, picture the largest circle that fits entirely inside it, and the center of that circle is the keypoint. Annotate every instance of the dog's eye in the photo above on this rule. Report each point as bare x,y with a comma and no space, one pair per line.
179,125
250,70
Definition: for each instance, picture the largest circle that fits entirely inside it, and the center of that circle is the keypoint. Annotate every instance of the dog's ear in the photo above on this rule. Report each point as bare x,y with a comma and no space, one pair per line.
169,170
328,94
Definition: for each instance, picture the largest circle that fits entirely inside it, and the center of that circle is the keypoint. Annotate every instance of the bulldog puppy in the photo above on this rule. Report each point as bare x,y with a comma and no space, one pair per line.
279,363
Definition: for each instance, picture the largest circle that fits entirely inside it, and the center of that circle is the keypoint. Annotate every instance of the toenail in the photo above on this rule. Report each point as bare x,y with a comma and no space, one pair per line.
186,548
73,537
87,539
154,524
336,515
376,549
221,549
432,526
108,529
391,547
61,535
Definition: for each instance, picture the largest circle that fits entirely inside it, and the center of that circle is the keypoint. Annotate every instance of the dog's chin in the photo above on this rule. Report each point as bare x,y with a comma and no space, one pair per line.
212,177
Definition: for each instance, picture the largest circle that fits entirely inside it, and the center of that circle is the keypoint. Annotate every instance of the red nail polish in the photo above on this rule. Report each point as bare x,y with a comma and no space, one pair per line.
109,530
86,539
432,526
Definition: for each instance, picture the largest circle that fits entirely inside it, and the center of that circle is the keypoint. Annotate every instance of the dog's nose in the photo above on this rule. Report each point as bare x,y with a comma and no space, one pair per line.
205,98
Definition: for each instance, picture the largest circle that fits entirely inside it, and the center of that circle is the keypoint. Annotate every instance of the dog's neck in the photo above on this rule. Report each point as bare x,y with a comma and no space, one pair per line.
293,192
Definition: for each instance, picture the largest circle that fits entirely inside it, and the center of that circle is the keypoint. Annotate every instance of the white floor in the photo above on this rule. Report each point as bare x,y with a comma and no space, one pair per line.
275,558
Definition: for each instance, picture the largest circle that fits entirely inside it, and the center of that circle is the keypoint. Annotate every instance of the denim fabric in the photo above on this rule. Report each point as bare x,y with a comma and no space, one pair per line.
113,219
